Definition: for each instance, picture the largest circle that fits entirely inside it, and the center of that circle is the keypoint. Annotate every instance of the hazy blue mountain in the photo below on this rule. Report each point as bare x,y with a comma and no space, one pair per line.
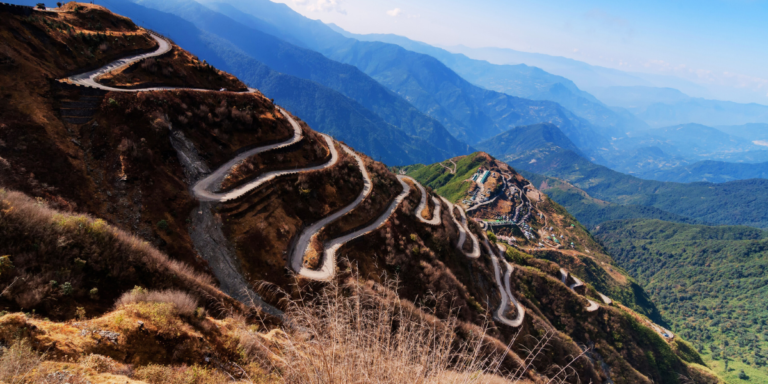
588,77
519,141
665,106
753,132
644,160
712,171
518,80
693,141
638,97
467,111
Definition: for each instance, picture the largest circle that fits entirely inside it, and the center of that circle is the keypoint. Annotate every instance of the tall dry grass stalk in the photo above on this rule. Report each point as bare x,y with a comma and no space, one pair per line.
347,335
17,363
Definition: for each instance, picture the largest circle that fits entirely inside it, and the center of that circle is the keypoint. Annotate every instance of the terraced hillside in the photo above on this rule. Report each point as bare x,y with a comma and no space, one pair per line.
244,208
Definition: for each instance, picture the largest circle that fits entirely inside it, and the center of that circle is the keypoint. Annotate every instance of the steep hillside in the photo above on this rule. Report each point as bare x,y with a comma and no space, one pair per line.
322,105
716,273
516,212
268,215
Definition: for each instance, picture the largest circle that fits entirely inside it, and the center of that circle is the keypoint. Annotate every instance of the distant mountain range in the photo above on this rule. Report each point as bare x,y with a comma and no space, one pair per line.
518,80
666,106
586,76
467,111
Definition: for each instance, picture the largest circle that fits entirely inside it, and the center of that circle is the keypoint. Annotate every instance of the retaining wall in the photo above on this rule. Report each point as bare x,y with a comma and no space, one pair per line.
21,10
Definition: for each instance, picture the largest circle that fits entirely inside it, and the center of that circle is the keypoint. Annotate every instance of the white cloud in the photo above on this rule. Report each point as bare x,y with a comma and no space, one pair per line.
322,5
395,12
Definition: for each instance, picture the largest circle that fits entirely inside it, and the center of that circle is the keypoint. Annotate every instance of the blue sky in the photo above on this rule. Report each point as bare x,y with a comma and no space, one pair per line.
722,44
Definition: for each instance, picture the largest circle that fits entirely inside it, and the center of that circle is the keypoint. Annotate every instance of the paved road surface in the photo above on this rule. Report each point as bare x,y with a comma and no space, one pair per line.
204,189
328,267
423,204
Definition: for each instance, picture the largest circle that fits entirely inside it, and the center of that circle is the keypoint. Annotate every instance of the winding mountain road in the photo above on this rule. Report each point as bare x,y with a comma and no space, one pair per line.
206,190
89,78
423,204
591,305
328,267
504,291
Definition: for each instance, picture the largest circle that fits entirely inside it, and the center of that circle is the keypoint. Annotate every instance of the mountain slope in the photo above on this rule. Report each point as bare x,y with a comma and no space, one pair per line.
718,272
521,140
519,80
243,191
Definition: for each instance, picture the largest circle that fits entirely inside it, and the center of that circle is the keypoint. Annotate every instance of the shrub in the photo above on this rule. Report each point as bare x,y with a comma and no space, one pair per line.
66,289
94,293
163,224
183,302
80,313
5,264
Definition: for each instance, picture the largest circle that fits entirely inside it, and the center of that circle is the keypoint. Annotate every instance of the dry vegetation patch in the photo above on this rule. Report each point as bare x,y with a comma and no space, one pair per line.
176,68
58,262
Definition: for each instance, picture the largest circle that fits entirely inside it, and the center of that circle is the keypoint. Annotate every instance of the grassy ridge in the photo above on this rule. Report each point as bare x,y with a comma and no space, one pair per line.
451,186
710,283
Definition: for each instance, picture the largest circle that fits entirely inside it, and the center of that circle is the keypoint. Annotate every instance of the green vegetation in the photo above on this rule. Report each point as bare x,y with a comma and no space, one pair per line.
710,284
451,186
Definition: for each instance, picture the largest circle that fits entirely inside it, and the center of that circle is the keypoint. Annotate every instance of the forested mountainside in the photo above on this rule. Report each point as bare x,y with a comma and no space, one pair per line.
153,232
709,282
731,203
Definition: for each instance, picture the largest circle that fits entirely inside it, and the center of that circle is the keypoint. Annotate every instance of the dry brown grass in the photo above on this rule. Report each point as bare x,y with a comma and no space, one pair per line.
18,362
347,336
184,303
87,250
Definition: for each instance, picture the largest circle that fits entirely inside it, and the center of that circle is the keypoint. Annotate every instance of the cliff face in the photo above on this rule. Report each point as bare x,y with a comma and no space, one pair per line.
250,203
